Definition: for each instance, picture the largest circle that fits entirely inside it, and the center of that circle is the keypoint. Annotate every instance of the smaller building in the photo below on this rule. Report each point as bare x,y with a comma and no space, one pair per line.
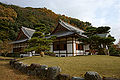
20,43
117,46
67,43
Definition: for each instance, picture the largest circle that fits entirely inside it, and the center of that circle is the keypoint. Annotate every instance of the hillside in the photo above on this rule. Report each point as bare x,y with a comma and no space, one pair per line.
13,17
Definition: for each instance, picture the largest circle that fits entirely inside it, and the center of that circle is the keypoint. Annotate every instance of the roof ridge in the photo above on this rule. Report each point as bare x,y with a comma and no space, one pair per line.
70,25
28,28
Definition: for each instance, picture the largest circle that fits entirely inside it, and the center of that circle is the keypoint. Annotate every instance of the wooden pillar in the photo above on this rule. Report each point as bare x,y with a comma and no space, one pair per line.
72,46
66,47
75,45
78,48
59,47
53,47
84,48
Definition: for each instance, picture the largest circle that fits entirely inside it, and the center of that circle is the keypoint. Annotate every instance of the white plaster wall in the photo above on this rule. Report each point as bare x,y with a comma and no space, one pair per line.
78,42
74,48
69,48
51,48
12,51
86,47
62,51
80,52
56,51
61,55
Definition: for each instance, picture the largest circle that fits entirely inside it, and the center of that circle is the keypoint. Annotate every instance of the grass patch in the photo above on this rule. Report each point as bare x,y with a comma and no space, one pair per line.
107,66
2,57
8,73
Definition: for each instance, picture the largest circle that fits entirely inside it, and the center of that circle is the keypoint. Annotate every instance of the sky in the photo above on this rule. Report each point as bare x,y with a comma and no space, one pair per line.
97,12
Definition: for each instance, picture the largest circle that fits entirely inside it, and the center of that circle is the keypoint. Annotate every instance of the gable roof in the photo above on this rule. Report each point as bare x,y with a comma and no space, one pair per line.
28,33
70,27
71,30
60,34
103,35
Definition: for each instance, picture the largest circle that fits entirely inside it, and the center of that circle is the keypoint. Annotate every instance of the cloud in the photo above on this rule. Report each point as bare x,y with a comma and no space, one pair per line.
98,12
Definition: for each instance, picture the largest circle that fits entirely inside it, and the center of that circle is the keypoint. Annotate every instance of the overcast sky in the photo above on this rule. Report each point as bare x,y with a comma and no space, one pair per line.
97,12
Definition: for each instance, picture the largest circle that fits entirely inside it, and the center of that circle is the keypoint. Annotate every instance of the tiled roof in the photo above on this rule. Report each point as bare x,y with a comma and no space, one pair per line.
60,34
70,27
28,32
19,41
103,35
72,30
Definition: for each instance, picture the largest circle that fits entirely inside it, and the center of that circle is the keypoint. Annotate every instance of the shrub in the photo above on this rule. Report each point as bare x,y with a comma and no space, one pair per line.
11,55
114,52
50,53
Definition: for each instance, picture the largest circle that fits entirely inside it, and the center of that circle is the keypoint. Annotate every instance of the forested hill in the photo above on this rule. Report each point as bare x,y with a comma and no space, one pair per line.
13,17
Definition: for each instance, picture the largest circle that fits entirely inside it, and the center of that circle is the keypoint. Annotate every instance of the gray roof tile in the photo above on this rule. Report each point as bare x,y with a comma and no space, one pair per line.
28,32
103,35
72,29
62,33
19,41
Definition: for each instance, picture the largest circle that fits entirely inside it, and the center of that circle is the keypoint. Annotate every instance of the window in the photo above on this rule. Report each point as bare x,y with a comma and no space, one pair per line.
59,46
65,46
79,47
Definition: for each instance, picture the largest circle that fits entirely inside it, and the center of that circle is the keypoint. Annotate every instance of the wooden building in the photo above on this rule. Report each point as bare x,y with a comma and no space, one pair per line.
20,43
66,43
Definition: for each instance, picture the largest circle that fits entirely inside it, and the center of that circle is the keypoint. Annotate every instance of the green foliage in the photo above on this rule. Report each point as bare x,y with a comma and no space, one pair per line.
38,34
103,29
39,43
17,55
113,51
5,47
49,53
90,31
42,28
97,42
0,41
13,17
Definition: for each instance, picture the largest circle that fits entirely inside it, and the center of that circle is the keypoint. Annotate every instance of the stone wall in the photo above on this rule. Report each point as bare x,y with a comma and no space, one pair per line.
52,73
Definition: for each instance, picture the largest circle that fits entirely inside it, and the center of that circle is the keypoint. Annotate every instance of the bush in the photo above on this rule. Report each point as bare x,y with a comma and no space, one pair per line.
50,53
114,52
11,55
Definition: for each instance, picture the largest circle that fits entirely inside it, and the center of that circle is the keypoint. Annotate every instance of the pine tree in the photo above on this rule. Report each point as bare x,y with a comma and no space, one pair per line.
39,43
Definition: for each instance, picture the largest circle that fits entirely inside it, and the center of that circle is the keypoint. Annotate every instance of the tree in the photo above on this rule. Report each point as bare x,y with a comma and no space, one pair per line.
103,29
6,47
39,43
96,42
107,42
42,28
12,17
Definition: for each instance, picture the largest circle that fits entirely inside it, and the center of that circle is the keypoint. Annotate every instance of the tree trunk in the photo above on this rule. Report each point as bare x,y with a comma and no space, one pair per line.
105,49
